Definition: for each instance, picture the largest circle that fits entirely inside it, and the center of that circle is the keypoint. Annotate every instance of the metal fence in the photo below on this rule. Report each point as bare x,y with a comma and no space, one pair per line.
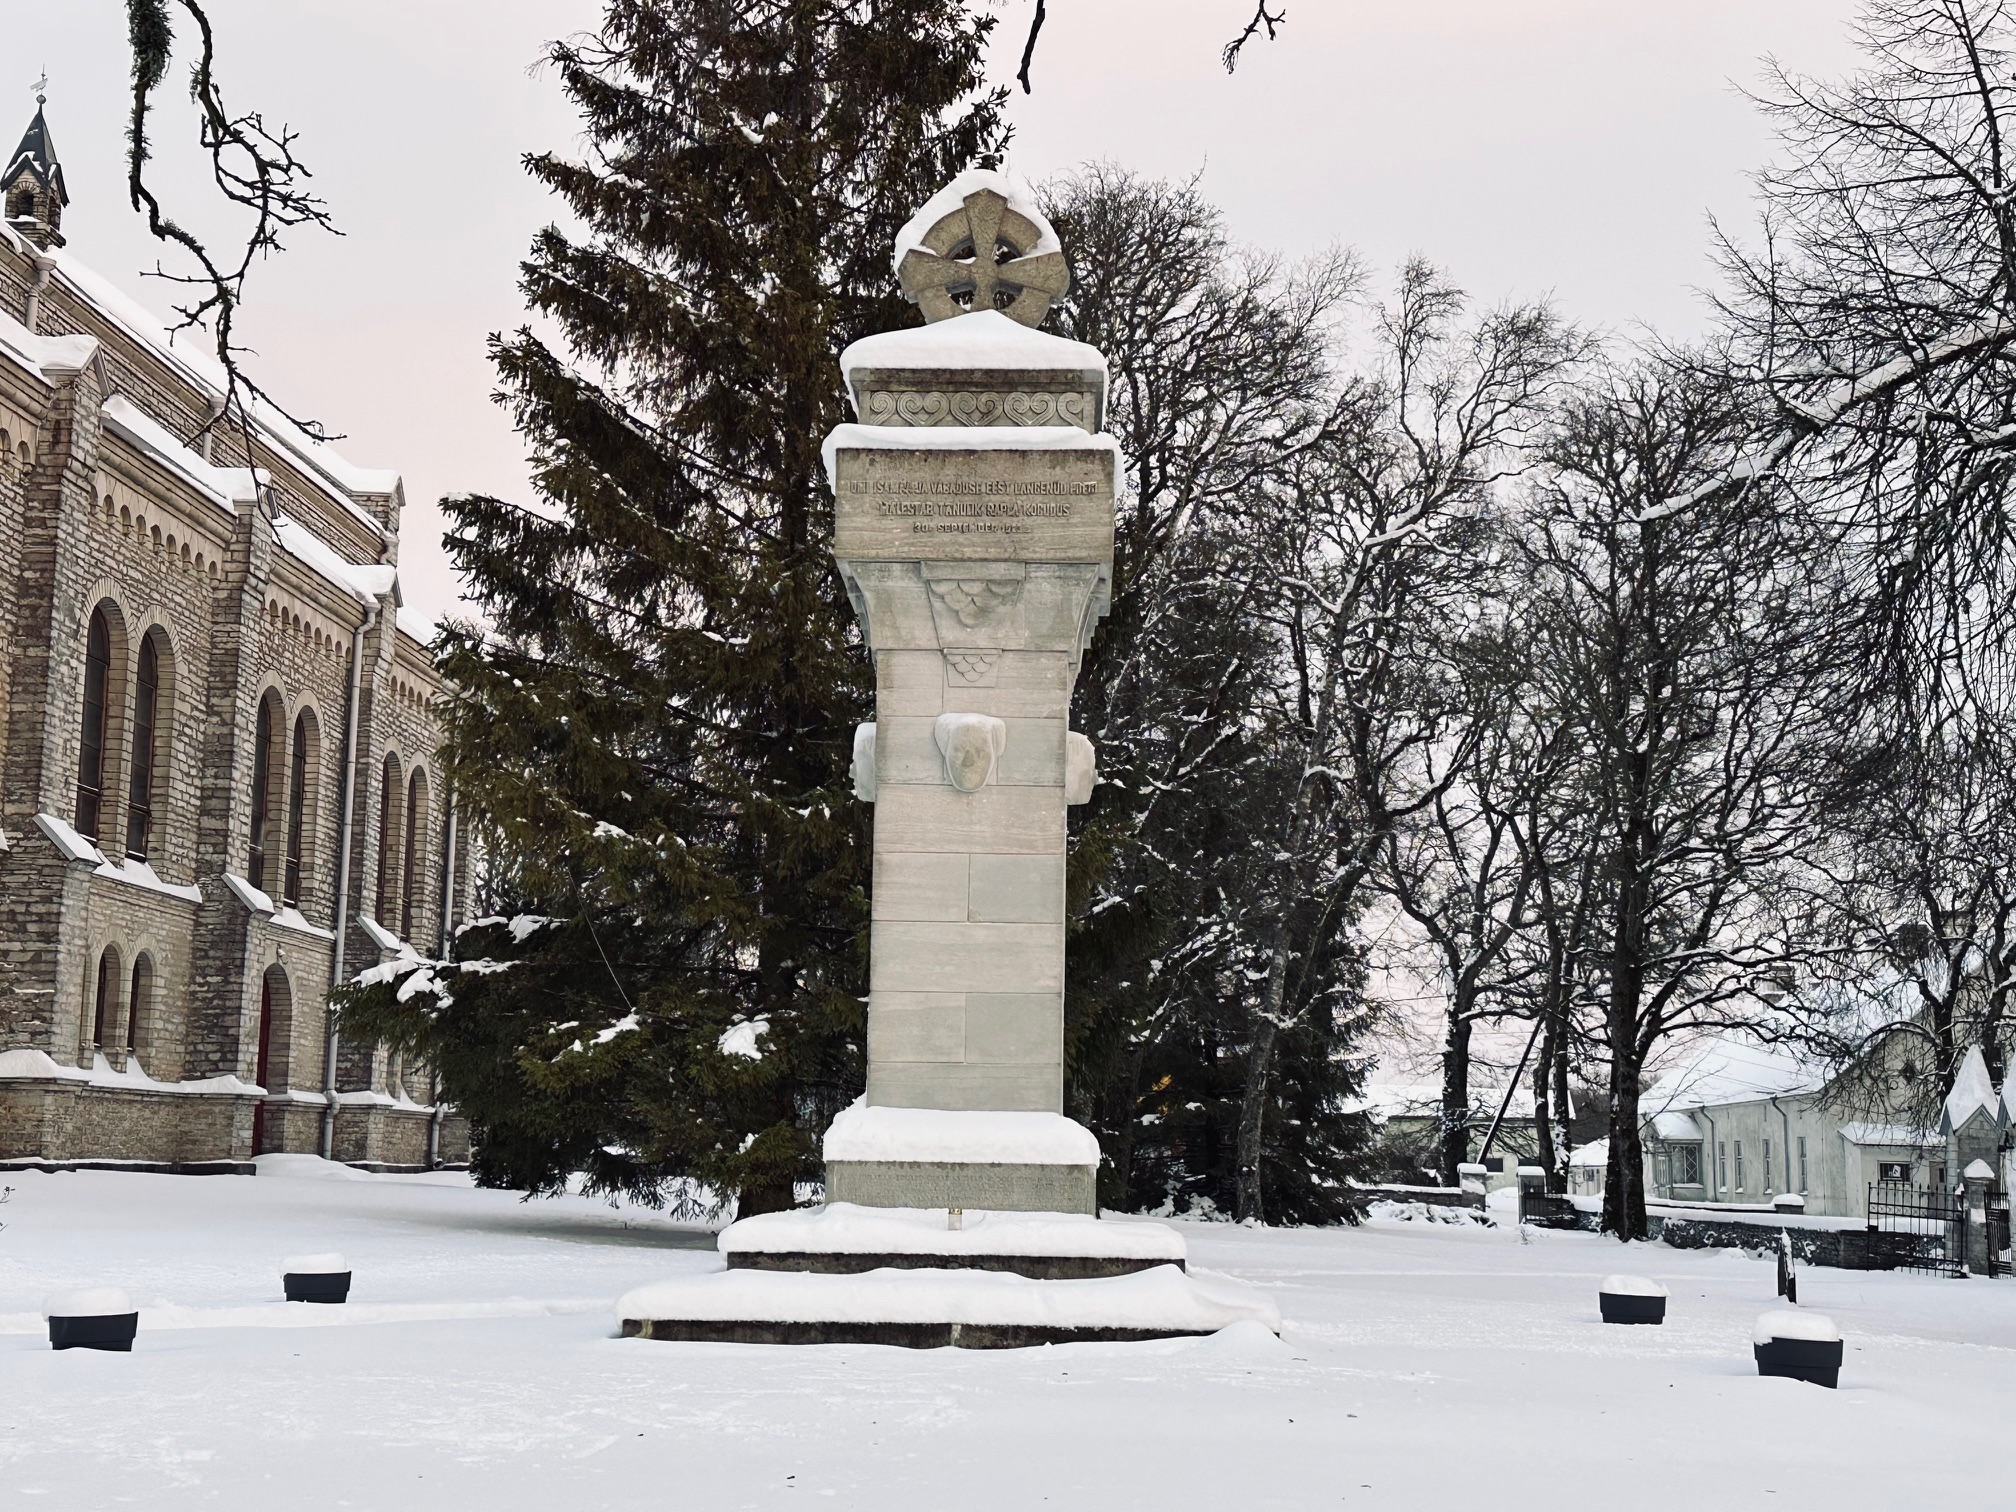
1930,1225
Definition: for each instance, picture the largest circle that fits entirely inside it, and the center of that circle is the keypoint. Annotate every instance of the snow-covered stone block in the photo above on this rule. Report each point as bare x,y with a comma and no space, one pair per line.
937,1135
933,1308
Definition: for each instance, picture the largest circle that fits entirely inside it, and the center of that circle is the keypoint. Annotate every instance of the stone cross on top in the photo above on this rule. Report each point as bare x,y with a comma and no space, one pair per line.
979,245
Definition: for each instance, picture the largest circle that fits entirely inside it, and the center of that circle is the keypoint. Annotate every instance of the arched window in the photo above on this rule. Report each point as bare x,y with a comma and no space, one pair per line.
91,747
140,786
262,791
390,824
413,883
105,998
140,1005
297,806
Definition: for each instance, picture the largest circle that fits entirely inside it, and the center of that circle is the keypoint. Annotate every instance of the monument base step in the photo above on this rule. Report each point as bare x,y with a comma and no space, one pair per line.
933,1309
896,1335
1025,1162
847,1239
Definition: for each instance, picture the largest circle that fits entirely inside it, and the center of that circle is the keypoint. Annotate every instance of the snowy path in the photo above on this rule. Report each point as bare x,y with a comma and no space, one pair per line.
1422,1368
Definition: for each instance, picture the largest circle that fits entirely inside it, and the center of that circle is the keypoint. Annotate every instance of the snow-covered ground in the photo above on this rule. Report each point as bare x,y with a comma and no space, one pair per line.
1423,1366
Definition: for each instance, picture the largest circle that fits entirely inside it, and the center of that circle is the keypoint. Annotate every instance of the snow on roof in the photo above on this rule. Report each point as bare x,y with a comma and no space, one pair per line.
329,472
43,355
983,339
1730,1071
367,582
952,197
1973,1092
1890,1134
226,487
1676,1127
1594,1153
422,628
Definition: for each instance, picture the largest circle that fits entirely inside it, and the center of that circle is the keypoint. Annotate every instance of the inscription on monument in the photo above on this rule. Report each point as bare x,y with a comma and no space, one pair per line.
1034,506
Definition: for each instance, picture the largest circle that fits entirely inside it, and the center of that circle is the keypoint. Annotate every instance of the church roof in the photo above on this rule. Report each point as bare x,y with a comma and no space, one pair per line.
37,155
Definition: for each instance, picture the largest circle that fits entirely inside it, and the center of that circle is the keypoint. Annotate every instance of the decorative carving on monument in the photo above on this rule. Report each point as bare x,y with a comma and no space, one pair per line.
971,744
976,407
987,251
974,598
1081,768
969,667
862,772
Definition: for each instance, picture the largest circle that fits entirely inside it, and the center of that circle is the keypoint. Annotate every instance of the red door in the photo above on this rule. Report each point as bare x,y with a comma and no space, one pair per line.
265,1064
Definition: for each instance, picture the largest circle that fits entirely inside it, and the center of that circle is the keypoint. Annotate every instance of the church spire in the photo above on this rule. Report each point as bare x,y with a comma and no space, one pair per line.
32,187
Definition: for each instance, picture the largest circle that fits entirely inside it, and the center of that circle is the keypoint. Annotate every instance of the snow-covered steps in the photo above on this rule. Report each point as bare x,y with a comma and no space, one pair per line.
929,1309
847,1239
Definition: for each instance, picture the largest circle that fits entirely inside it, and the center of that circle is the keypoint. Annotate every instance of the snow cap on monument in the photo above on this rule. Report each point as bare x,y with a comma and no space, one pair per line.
979,244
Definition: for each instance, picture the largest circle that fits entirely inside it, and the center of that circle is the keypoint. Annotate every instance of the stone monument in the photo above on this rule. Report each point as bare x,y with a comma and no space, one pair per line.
974,509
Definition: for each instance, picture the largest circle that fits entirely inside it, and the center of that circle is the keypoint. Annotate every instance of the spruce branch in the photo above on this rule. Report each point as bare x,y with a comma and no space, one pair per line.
251,164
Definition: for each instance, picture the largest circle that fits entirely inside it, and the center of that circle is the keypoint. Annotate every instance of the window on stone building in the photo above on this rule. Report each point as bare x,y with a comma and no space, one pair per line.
1802,1162
413,879
140,786
1721,1166
1894,1171
1739,1165
297,806
140,1005
91,745
105,997
390,827
1685,1164
262,792
1767,1168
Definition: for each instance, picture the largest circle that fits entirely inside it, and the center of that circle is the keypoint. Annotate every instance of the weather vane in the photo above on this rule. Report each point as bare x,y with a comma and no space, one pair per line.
42,88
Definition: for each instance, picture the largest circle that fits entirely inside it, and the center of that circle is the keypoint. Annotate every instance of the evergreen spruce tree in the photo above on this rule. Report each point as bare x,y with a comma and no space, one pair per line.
652,727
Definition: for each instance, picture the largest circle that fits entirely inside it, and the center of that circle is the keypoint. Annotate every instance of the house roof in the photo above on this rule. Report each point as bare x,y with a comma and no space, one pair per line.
1973,1092
1726,1070
37,155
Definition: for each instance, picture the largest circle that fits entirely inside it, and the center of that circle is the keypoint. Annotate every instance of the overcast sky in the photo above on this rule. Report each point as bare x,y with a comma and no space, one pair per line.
1571,147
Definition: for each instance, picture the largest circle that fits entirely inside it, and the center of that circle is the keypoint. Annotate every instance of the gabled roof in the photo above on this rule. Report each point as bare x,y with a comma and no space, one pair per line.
37,155
1973,1092
1729,1071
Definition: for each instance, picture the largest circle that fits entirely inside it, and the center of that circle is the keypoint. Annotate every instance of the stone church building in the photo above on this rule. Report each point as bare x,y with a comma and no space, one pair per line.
219,789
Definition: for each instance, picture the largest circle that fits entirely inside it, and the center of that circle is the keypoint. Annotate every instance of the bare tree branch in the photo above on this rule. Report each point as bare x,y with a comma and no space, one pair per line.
252,165
1261,17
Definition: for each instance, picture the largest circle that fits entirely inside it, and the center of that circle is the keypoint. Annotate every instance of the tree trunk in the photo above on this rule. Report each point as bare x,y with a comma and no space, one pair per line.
1249,1203
1563,1104
1624,1183
777,1194
1454,1119
1544,1149
1252,1120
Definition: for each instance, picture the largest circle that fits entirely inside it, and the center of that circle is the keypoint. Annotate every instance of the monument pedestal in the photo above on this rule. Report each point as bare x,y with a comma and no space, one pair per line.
973,528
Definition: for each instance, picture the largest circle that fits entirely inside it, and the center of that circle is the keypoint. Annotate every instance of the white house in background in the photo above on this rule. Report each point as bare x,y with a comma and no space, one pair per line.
1738,1123
1587,1166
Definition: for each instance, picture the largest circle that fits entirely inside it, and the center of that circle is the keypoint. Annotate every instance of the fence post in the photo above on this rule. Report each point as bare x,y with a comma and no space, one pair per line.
1474,1181
1978,1179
